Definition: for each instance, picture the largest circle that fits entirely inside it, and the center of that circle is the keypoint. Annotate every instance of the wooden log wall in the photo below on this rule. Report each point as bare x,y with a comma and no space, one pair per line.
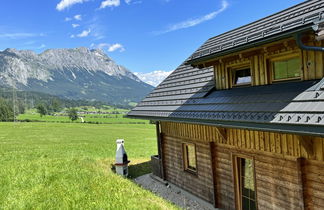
313,179
277,181
312,62
223,179
282,145
200,184
282,180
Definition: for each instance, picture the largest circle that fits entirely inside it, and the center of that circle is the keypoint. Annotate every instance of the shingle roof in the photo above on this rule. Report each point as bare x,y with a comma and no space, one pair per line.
300,104
282,22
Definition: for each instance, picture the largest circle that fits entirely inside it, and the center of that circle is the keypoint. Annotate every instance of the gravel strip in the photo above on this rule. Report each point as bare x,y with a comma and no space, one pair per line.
172,193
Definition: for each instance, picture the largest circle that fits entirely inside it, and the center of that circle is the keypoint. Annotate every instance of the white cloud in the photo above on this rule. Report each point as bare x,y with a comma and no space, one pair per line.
77,17
68,3
100,46
41,46
153,78
109,3
103,45
196,21
75,25
20,35
115,47
109,47
67,19
72,36
30,42
133,2
84,33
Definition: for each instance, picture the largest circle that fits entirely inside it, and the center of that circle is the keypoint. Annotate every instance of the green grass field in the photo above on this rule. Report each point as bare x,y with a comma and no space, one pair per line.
69,166
32,115
105,118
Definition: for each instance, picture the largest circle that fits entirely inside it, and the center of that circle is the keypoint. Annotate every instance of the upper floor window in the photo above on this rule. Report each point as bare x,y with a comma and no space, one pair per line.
189,157
286,69
241,77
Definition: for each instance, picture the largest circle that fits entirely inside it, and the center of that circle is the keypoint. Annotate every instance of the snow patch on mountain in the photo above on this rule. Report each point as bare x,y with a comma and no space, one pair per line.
17,66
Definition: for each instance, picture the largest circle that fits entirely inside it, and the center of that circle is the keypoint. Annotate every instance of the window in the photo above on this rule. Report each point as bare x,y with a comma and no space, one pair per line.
244,184
241,77
286,69
189,157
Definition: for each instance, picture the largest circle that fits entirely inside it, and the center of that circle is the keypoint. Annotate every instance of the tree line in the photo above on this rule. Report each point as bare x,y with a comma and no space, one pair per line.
44,103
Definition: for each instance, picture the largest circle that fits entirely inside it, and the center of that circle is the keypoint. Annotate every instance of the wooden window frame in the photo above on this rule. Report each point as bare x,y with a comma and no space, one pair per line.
283,58
237,188
234,68
186,167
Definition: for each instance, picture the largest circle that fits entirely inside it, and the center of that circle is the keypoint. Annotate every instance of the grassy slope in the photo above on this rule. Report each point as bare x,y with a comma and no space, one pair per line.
55,165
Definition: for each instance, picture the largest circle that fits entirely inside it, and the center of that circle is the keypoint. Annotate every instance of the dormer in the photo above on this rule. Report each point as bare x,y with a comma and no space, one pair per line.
266,51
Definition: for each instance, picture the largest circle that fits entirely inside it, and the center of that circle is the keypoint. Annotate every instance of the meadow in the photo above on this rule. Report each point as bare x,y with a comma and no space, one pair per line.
70,166
109,116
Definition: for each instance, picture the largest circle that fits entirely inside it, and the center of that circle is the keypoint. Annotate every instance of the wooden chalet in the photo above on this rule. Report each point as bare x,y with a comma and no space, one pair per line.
241,122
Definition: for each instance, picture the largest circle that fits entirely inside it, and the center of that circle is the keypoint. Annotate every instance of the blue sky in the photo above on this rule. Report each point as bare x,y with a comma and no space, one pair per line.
142,35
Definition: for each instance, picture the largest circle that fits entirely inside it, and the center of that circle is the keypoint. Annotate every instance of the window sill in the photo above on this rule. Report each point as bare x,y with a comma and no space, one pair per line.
287,80
242,85
192,172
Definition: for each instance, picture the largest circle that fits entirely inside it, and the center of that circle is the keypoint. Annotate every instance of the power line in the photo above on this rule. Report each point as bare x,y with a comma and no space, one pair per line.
14,101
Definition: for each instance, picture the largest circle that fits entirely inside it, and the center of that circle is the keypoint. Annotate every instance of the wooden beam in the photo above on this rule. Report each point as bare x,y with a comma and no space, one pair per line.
307,144
160,147
212,155
251,53
230,58
222,132
300,167
212,63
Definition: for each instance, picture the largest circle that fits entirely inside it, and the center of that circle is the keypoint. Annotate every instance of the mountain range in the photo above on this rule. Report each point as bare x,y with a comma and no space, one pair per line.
78,73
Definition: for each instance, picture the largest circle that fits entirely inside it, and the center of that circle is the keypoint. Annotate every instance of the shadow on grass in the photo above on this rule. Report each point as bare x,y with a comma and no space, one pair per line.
136,169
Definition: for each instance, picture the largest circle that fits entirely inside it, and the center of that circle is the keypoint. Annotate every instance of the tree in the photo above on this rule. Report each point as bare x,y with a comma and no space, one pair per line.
41,109
21,107
6,112
56,105
73,114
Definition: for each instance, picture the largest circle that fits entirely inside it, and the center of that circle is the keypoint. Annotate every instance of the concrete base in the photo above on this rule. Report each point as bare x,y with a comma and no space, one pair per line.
122,170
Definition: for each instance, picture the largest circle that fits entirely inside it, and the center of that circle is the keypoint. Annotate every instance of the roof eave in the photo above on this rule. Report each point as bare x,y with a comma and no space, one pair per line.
196,61
305,130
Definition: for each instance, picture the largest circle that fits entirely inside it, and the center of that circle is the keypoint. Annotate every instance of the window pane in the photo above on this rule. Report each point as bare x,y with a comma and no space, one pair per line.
245,189
192,156
252,205
252,194
247,183
245,203
286,69
293,68
280,70
242,76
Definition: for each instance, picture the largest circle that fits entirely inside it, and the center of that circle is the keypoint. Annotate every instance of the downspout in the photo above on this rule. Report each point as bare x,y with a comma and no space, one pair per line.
300,44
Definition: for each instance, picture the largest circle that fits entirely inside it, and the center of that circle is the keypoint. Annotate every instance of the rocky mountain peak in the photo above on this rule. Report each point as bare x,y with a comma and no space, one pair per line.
77,65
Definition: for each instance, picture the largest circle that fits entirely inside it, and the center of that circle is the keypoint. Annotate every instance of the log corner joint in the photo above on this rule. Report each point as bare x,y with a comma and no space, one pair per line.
307,144
222,133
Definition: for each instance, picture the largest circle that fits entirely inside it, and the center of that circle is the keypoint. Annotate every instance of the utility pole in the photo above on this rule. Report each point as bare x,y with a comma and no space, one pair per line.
25,104
14,101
